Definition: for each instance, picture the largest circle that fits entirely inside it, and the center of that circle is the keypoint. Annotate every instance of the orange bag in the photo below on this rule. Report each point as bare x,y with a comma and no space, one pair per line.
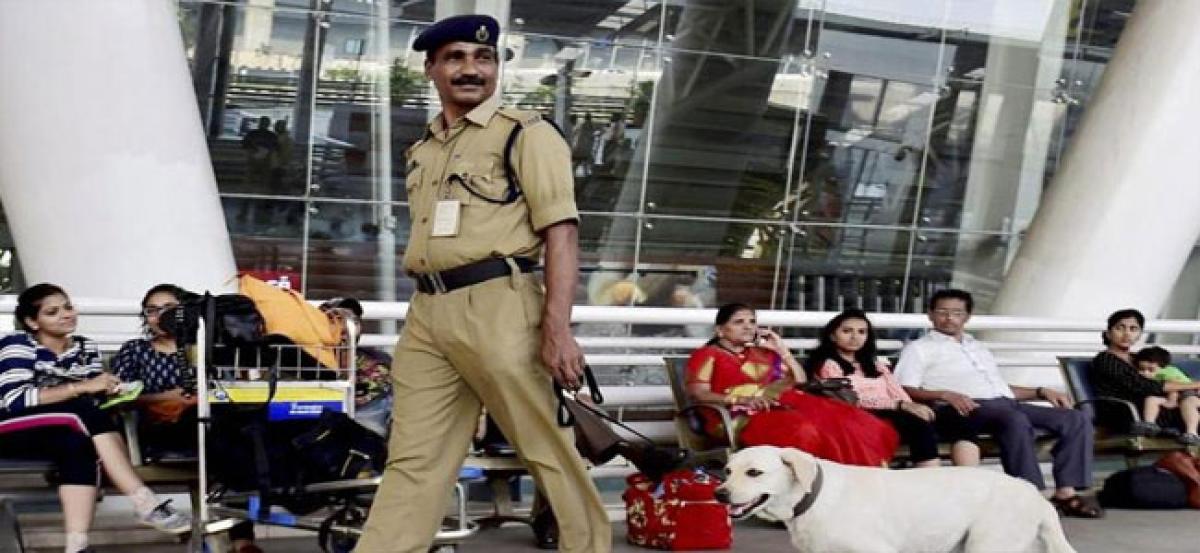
287,314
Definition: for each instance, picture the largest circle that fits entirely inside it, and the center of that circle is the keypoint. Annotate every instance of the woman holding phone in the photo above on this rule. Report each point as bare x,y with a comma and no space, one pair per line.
749,370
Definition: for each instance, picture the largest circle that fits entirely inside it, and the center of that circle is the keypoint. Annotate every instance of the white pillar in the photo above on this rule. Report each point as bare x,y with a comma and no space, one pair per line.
1120,220
104,171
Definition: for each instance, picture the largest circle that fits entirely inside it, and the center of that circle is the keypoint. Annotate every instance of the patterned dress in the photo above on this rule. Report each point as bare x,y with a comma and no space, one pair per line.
823,427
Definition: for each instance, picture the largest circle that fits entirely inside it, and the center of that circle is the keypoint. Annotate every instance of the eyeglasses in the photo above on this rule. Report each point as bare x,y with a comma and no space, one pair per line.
950,313
155,310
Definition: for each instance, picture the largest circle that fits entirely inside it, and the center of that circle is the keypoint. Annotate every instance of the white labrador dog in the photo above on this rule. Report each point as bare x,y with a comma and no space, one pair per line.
829,507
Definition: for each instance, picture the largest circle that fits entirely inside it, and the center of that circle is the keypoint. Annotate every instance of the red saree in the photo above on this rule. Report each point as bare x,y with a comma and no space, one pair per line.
826,428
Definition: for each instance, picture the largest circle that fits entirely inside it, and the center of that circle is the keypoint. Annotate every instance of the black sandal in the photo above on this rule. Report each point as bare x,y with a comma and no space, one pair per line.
1076,506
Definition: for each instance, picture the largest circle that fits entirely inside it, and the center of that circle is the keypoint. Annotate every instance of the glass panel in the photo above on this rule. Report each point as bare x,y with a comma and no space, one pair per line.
877,67
723,140
837,267
769,29
616,22
355,250
246,65
717,262
352,145
602,113
970,261
267,237
996,123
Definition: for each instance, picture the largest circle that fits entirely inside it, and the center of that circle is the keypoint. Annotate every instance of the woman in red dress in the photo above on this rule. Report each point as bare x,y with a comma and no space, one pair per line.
751,371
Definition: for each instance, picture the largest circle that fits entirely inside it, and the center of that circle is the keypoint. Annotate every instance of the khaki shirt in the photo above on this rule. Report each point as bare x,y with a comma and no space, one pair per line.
474,149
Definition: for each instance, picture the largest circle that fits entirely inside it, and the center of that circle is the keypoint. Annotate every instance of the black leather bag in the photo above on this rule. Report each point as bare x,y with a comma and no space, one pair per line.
834,388
1143,488
598,442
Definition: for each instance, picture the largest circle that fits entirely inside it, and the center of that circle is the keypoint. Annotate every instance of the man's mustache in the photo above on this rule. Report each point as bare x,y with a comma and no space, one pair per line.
468,80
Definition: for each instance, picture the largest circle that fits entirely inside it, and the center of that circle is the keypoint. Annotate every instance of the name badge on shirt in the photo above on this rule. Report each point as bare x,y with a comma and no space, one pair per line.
445,217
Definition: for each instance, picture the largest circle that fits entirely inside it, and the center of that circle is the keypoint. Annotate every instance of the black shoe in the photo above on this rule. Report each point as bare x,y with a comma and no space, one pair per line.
545,529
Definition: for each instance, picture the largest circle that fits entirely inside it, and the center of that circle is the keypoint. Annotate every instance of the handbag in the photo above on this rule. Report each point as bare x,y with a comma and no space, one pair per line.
596,440
834,388
681,514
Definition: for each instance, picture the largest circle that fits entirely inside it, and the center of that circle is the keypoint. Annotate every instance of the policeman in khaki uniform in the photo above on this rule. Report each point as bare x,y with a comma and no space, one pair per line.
481,331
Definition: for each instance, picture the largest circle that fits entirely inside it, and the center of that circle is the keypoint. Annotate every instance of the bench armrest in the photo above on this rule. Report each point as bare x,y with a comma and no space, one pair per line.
1134,415
722,412
129,418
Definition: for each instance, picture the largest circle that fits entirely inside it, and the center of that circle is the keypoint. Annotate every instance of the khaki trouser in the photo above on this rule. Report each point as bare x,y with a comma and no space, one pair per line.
476,344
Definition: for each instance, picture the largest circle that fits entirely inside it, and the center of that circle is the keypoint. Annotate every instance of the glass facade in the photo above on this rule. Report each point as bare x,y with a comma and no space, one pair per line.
797,154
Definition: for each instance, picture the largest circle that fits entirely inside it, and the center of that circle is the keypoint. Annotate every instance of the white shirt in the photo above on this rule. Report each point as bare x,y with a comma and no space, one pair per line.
938,362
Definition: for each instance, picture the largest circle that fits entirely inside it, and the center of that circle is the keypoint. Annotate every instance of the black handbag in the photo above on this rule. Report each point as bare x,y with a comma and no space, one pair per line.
834,388
1143,488
599,443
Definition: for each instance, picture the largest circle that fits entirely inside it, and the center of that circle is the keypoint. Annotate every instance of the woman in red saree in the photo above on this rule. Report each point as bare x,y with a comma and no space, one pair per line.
751,371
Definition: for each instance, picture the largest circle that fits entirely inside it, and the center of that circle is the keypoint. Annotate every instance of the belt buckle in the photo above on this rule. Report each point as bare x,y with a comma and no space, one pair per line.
435,281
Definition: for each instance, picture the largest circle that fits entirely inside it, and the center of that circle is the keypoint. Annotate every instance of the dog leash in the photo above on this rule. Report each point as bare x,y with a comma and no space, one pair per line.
809,498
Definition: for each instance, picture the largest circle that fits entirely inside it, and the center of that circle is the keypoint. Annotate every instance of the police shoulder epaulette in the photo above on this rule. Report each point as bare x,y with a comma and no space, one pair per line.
521,117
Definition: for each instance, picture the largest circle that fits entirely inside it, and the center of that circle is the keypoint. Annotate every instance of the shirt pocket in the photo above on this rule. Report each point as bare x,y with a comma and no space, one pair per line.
483,183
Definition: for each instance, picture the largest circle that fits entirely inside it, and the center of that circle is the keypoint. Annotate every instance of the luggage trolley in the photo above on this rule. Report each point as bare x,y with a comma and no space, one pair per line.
300,392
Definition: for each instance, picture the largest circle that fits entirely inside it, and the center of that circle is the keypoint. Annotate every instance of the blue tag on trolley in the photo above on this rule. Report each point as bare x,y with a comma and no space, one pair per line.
293,410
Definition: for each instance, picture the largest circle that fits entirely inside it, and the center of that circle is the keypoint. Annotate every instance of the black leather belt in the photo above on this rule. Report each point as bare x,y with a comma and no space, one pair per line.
466,275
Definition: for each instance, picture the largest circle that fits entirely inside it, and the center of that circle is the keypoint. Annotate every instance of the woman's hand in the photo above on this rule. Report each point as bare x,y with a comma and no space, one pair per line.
769,339
918,410
104,383
754,403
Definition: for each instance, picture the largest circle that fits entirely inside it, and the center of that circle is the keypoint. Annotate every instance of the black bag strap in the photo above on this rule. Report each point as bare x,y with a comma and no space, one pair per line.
514,183
564,414
589,378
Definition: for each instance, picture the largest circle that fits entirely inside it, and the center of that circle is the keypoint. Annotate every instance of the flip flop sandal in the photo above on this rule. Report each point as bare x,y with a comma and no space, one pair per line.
1076,506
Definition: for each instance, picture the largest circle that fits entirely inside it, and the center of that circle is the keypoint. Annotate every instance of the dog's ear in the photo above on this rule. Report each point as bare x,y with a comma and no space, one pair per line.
803,466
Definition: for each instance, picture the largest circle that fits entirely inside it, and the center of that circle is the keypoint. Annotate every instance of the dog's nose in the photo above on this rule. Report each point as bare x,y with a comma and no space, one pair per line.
722,495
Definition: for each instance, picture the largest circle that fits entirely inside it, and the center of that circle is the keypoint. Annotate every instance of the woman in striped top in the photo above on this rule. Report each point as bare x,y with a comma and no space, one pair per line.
51,383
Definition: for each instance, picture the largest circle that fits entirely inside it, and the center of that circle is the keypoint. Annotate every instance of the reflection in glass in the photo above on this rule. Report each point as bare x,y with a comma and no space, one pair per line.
346,250
811,155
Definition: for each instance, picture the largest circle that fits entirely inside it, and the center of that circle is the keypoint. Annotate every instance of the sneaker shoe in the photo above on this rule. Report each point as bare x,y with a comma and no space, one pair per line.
1189,438
1143,428
1170,433
165,518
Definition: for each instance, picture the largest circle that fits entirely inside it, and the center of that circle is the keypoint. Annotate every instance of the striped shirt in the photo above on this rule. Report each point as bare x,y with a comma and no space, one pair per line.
26,366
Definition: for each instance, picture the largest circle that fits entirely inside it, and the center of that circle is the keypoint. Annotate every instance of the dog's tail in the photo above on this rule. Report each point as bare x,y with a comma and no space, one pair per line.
1051,533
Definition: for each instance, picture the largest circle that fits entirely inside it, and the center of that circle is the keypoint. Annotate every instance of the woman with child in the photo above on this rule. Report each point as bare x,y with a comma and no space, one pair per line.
1116,372
750,370
846,349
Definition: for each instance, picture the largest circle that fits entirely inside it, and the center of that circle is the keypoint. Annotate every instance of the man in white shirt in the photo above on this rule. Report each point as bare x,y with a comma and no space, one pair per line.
958,375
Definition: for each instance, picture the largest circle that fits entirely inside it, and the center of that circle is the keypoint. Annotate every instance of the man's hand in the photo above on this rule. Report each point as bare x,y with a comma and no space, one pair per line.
963,404
1057,398
922,412
561,356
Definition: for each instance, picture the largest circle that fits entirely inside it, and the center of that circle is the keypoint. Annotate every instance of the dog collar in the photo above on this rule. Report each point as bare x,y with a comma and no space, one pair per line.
809,498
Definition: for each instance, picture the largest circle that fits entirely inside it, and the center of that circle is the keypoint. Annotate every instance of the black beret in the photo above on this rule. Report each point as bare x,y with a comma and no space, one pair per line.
480,29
